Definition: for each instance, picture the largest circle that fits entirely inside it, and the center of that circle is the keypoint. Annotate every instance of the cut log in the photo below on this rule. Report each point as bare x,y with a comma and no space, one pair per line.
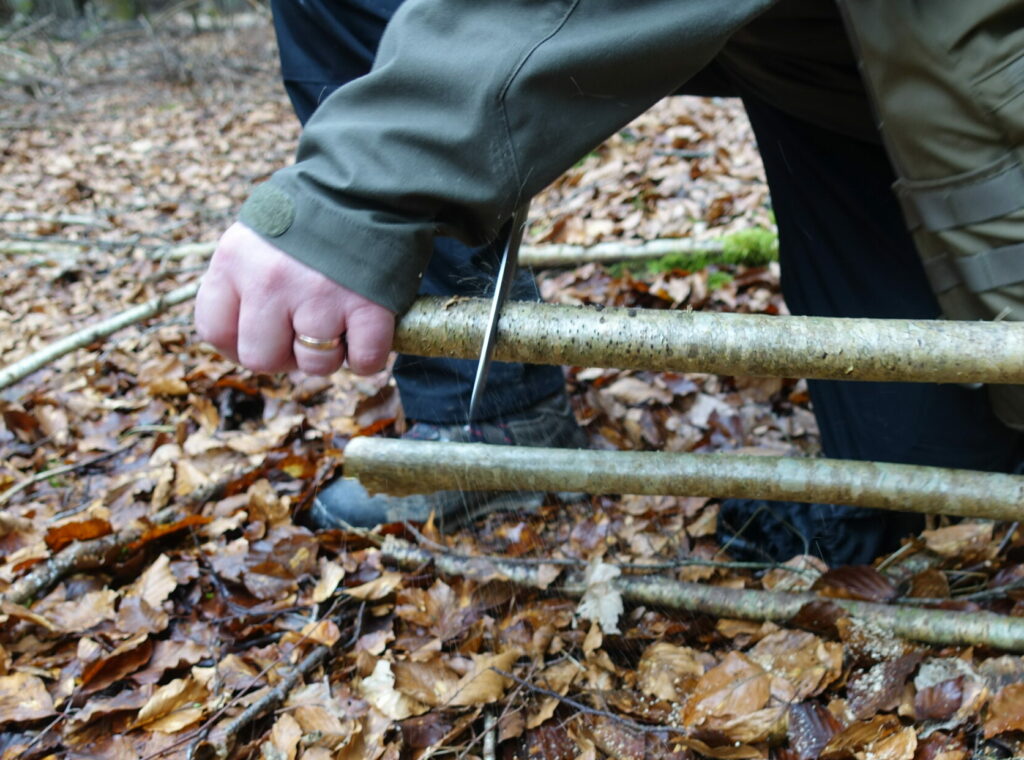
727,344
402,467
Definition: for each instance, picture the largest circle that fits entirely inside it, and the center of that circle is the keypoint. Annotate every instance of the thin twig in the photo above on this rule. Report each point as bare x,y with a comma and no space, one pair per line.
636,567
633,725
21,369
62,470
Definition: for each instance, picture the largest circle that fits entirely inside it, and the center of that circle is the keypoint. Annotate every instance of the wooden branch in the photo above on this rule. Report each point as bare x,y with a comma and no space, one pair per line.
61,219
402,467
941,627
62,470
726,344
529,255
24,367
559,255
227,736
80,555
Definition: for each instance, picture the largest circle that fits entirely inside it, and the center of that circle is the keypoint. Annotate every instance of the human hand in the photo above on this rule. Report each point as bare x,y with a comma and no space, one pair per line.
255,300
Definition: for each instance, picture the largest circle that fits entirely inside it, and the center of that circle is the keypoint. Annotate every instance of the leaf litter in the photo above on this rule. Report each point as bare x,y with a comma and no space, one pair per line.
223,600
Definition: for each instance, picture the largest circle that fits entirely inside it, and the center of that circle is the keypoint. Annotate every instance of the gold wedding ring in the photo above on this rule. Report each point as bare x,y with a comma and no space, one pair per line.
317,344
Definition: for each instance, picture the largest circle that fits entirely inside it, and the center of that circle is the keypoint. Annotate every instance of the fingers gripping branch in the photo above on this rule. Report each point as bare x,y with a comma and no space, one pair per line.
255,300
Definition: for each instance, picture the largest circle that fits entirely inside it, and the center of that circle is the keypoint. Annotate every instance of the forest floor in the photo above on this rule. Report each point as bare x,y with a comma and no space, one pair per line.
164,598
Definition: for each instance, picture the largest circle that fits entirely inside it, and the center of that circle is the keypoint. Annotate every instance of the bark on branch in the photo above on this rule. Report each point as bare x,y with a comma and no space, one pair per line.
402,467
941,627
81,555
24,367
727,344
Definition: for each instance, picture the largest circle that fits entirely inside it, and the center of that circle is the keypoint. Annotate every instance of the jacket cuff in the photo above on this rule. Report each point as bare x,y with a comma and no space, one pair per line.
379,255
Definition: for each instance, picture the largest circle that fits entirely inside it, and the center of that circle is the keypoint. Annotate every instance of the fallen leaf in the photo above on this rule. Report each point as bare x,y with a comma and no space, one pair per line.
881,687
81,530
801,664
941,701
601,602
482,685
284,737
330,575
431,682
811,728
856,582
735,688
86,612
1005,711
173,706
24,697
378,588
667,671
156,583
962,538
379,690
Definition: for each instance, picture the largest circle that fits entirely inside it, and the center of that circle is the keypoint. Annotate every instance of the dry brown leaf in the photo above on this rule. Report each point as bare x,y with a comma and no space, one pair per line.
136,616
939,702
330,575
156,583
881,687
379,690
482,685
811,728
735,688
378,588
18,612
558,678
24,697
929,584
666,671
80,530
431,682
322,727
265,505
856,582
787,580
173,706
960,539
1005,711
801,664
284,737
124,660
79,615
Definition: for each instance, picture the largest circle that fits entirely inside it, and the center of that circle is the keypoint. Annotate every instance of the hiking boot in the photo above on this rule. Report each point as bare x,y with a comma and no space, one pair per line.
548,423
775,531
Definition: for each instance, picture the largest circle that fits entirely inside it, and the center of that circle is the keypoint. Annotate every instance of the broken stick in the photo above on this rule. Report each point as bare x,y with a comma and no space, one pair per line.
943,627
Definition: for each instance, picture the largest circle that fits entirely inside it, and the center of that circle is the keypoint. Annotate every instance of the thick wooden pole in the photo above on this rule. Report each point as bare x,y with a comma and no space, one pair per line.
727,344
403,467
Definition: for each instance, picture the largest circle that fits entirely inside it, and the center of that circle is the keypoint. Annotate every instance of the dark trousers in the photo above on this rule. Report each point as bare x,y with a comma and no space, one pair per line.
323,44
844,251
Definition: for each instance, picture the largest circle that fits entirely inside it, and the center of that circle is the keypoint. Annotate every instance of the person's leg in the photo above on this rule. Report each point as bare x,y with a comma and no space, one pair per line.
844,251
323,44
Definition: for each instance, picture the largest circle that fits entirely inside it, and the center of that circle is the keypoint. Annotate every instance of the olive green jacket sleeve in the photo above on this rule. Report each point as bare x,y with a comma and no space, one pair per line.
472,106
